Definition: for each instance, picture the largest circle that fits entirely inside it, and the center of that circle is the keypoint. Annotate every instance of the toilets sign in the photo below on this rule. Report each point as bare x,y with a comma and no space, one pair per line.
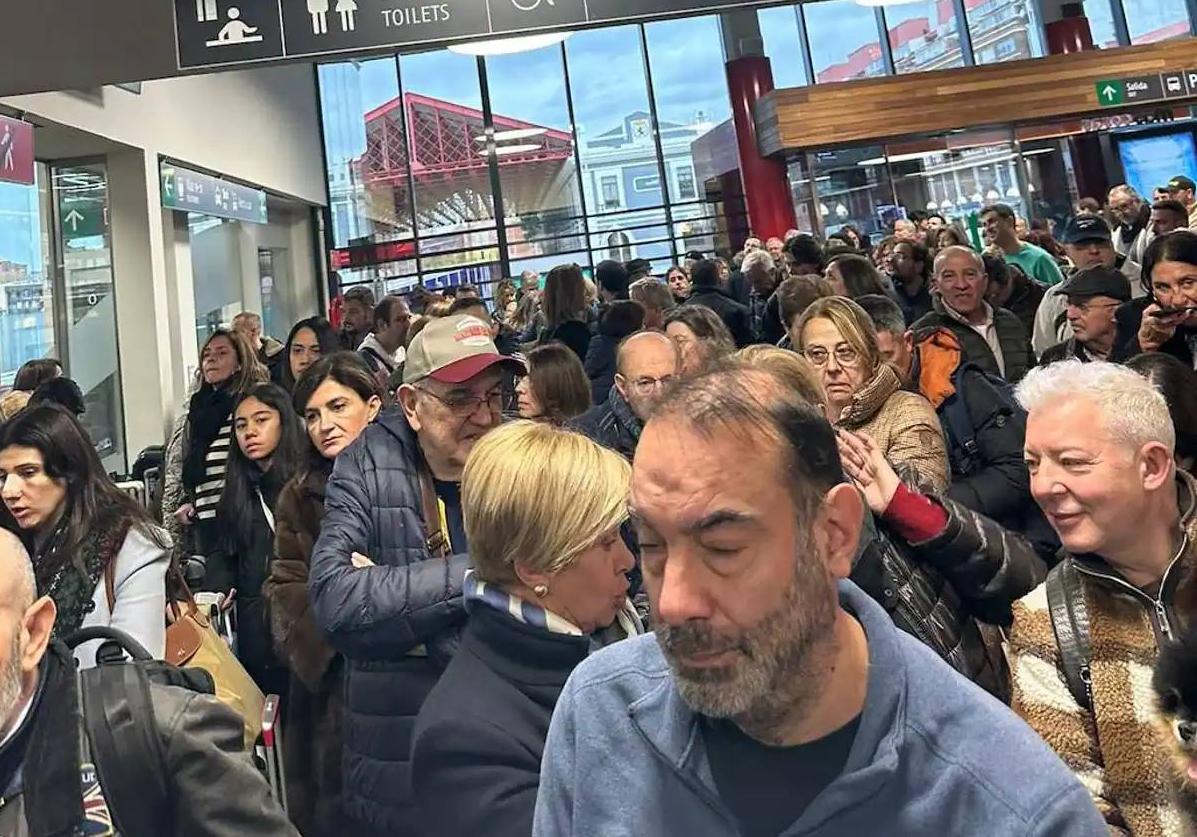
217,33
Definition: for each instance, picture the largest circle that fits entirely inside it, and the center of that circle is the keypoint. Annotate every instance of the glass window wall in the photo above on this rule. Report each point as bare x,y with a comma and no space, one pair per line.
26,283
1156,20
1004,30
586,169
843,39
1100,15
923,36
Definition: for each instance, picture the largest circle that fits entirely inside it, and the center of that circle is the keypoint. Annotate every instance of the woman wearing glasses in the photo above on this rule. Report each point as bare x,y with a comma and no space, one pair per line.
865,395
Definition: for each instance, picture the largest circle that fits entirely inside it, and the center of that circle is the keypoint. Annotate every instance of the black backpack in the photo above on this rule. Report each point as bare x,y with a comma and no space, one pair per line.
1070,624
961,436
118,715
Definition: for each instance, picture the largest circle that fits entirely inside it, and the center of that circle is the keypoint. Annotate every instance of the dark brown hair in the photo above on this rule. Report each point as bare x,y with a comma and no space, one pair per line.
559,382
797,293
564,296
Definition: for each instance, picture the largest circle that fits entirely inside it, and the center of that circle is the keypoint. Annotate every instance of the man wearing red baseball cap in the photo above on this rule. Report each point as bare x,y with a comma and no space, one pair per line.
387,571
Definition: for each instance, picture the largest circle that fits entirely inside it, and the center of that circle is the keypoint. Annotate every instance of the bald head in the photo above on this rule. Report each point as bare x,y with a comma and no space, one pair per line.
18,585
645,362
645,347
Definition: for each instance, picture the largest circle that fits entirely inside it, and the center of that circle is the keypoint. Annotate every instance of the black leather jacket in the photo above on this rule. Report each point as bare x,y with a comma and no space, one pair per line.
948,591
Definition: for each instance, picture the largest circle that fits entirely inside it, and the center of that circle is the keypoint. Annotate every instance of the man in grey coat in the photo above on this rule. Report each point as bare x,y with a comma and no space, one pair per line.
387,571
213,788
776,697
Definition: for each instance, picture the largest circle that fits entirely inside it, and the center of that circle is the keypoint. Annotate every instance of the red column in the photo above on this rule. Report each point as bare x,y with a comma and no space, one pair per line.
1068,35
766,189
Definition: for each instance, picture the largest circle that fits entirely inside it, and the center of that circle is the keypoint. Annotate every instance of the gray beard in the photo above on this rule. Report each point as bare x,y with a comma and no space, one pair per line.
780,667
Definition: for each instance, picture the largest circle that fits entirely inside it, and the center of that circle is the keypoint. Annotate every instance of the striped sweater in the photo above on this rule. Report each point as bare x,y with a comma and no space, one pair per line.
1114,750
207,493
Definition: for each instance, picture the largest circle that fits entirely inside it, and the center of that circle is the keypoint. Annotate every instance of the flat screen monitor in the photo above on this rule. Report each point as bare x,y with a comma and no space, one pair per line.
1151,161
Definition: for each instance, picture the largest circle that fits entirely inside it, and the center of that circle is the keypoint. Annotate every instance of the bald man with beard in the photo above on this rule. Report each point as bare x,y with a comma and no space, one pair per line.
213,788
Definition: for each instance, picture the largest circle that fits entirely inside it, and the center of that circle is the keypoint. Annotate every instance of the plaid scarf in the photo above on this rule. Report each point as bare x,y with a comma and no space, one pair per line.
627,622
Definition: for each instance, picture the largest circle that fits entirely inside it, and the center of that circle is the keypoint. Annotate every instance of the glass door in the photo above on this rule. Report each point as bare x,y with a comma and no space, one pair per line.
87,312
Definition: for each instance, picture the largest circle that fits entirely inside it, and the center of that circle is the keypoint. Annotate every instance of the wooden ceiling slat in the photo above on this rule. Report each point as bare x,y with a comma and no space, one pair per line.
871,110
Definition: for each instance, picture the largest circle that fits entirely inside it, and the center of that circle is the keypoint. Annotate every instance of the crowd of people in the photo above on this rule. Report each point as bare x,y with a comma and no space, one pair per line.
822,535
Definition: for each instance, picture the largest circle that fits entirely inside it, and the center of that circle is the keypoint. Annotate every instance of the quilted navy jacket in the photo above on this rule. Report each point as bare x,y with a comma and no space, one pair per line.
397,623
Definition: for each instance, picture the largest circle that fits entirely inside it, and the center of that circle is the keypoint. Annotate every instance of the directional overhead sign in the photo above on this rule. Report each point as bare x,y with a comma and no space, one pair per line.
1111,92
213,33
193,191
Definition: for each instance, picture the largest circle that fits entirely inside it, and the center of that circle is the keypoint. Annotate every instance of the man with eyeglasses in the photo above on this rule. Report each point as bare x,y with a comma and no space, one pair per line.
1087,243
387,571
992,338
645,365
1093,295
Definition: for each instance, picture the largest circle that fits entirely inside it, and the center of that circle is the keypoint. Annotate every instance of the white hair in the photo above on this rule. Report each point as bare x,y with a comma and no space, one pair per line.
757,260
1126,191
1133,410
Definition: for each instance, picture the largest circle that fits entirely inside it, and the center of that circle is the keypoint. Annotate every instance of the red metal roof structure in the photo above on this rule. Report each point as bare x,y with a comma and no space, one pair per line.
448,159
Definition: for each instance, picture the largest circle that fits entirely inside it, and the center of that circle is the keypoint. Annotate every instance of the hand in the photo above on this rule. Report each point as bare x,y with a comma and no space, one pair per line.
1156,329
867,466
361,561
185,514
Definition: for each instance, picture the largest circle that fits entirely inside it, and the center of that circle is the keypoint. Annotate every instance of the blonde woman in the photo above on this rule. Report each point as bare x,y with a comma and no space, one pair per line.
543,509
865,395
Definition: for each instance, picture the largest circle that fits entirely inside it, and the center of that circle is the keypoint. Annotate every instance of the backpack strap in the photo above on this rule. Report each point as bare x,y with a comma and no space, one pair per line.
1070,623
119,718
437,538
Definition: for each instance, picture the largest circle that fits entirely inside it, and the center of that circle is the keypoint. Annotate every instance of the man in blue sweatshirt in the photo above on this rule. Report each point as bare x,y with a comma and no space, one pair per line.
776,698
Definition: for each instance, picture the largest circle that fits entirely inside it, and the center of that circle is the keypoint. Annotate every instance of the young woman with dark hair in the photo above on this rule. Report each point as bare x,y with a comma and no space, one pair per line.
96,552
199,445
309,340
337,398
267,453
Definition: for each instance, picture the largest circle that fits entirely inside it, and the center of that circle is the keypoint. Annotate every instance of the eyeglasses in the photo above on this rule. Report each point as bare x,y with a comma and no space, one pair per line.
844,355
1085,306
646,386
466,405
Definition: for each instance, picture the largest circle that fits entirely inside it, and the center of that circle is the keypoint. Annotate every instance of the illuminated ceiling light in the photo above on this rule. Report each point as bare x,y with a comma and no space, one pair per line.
516,149
1013,192
1035,151
992,195
823,210
506,46
841,210
932,206
947,204
517,134
976,198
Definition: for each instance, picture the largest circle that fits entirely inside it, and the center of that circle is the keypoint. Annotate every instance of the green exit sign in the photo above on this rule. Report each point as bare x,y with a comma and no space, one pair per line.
1111,92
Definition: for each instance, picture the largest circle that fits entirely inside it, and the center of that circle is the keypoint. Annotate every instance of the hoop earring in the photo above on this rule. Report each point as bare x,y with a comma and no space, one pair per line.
541,590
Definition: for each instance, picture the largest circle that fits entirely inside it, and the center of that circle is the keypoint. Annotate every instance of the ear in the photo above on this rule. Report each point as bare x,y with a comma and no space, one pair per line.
908,340
373,407
621,384
36,627
1156,466
407,400
529,577
837,529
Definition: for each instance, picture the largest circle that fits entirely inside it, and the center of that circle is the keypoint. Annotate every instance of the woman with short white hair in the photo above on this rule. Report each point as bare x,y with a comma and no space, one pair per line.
543,511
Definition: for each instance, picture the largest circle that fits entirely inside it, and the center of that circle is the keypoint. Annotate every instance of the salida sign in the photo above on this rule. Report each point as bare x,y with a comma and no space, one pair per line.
213,33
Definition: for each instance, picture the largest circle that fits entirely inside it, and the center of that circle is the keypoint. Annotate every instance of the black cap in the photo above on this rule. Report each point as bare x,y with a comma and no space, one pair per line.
1181,182
1097,281
638,266
1086,228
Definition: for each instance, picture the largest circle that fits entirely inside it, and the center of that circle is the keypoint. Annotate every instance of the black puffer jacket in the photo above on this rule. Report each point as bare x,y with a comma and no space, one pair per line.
941,591
1012,337
397,623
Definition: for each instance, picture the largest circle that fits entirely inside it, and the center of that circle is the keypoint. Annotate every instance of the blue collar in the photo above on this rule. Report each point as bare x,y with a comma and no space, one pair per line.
671,727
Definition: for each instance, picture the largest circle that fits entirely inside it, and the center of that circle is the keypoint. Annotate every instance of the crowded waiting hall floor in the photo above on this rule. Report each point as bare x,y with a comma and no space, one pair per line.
638,417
